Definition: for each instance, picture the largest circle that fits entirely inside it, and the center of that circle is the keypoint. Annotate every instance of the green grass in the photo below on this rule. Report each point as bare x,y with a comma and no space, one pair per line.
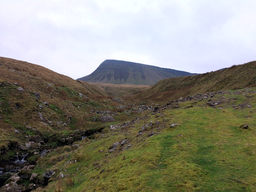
206,152
56,109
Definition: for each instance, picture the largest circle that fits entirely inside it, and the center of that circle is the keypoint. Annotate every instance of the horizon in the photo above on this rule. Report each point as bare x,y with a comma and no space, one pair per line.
74,38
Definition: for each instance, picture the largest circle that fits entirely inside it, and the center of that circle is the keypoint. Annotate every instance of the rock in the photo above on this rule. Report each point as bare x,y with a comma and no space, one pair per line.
37,95
18,105
28,168
16,131
155,109
47,175
173,125
21,159
151,134
44,153
113,147
81,95
244,126
139,133
107,118
41,116
128,146
20,89
62,175
32,145
24,174
34,177
15,178
12,187
45,103
40,106
123,142
31,187
213,103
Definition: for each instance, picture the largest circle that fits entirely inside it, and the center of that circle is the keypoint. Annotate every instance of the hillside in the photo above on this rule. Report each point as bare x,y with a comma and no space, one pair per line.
62,135
123,72
121,92
236,77
181,146
41,110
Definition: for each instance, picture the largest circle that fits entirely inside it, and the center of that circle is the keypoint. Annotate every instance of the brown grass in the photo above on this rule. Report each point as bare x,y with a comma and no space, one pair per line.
120,92
236,77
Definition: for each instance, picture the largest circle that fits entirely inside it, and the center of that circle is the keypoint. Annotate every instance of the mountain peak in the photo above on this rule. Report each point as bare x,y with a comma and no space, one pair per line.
126,72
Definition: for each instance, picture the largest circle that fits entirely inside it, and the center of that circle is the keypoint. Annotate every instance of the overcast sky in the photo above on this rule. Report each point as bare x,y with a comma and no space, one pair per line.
73,37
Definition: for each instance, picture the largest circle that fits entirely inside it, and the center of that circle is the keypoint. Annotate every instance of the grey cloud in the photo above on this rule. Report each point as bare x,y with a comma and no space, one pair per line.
73,36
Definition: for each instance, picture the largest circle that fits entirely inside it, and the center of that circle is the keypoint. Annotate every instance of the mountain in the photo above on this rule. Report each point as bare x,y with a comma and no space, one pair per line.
235,77
123,72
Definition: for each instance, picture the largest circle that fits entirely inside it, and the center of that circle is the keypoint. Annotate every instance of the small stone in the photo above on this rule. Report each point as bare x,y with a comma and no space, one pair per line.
139,133
45,103
16,131
41,116
155,109
15,178
123,142
47,175
113,147
107,118
62,175
81,95
18,105
113,127
244,126
33,176
20,89
37,95
173,125
44,153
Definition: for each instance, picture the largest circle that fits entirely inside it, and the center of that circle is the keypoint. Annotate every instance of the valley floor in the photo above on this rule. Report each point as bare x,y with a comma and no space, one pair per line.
205,142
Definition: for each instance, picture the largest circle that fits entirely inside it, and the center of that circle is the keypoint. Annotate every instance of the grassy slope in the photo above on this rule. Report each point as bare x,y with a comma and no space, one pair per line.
207,151
231,78
120,92
19,110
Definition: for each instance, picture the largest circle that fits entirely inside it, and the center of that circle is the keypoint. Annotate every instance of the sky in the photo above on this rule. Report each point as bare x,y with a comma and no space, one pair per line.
73,37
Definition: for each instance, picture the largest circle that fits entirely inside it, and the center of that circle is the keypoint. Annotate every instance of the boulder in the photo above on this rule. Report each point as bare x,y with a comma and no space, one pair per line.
244,126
